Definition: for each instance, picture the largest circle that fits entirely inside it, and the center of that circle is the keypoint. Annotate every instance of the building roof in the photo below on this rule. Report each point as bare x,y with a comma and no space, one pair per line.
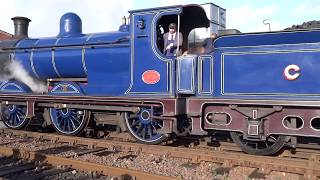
5,33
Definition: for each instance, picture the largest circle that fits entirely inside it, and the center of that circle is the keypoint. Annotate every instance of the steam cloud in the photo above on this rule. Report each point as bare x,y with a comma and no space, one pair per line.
14,70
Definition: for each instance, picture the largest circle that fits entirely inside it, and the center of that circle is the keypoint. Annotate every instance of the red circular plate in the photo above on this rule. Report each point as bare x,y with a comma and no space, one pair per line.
151,77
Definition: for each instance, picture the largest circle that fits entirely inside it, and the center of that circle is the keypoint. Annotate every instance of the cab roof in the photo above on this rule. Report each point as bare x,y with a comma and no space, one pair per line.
190,12
181,7
156,9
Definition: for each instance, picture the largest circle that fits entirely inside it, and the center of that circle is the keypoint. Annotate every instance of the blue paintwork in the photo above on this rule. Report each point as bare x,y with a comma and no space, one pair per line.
186,74
42,60
66,88
205,67
98,57
24,56
252,65
146,56
145,128
273,38
70,25
112,62
241,66
67,120
14,116
14,87
263,73
69,57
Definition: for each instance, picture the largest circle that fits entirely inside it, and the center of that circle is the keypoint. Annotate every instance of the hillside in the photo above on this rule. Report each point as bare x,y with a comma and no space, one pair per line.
305,25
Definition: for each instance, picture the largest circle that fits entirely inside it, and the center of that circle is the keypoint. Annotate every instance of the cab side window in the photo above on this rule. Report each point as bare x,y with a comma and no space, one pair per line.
163,27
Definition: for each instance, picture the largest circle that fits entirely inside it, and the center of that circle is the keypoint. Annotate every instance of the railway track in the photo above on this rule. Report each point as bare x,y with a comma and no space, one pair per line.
34,160
69,166
307,166
14,167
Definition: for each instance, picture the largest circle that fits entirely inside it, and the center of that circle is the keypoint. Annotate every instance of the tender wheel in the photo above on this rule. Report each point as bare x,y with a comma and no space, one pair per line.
14,116
69,121
143,128
270,146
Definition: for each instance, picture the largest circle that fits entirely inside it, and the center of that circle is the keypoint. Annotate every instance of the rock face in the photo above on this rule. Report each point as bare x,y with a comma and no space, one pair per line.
305,25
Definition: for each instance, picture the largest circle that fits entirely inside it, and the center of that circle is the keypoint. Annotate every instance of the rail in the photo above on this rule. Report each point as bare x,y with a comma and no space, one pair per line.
308,166
79,165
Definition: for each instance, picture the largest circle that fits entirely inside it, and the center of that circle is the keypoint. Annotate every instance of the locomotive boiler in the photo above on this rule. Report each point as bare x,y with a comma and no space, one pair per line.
259,87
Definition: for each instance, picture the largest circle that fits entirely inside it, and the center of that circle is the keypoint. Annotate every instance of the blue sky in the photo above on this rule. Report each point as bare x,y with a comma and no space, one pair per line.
105,15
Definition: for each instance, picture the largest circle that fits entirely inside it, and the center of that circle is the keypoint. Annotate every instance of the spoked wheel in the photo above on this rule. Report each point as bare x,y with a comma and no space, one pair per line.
144,128
270,146
14,116
69,121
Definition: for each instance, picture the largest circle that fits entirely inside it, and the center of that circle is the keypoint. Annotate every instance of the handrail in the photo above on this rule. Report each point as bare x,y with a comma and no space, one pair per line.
120,40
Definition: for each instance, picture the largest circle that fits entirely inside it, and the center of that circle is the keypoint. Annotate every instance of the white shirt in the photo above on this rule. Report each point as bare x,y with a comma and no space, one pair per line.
170,35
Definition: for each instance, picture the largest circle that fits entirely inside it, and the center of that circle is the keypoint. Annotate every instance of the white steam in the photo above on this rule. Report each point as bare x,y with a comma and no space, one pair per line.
16,71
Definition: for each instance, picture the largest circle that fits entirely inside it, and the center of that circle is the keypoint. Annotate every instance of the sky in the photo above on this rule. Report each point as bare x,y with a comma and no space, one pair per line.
105,15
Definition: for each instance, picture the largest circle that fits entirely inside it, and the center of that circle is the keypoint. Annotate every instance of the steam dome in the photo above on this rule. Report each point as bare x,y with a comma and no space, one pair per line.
70,25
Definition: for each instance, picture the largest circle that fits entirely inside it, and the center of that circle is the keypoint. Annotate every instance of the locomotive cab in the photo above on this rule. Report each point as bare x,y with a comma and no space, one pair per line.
191,17
151,69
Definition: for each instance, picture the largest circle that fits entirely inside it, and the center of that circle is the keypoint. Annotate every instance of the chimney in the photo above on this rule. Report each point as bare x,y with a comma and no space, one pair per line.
21,25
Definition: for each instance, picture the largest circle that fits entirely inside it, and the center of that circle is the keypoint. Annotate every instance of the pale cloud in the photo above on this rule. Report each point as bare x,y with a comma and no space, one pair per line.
172,3
105,15
96,15
275,26
6,12
250,19
306,9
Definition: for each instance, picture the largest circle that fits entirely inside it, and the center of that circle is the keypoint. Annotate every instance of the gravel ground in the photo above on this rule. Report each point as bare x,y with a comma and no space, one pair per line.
77,175
143,162
283,176
155,164
29,144
150,163
2,126
245,172
39,169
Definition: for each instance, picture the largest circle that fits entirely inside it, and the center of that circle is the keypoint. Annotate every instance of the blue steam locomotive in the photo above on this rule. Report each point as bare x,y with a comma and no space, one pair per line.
260,87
